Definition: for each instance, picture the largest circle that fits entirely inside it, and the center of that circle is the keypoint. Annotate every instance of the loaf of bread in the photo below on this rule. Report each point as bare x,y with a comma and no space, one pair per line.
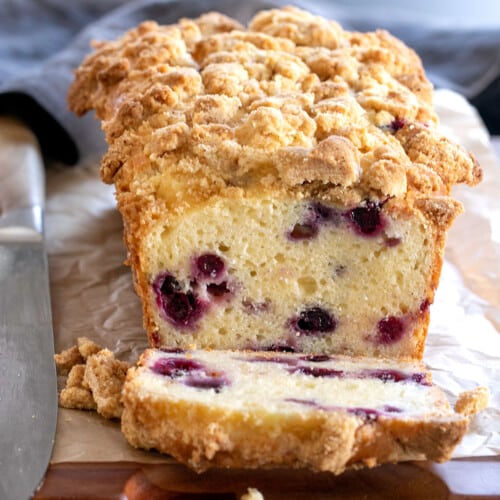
283,187
248,409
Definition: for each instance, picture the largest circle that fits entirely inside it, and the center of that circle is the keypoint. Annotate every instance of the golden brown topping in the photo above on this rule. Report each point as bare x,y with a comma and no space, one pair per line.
204,106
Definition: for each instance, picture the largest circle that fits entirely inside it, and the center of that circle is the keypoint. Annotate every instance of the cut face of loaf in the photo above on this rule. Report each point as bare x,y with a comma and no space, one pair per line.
282,186
258,409
282,274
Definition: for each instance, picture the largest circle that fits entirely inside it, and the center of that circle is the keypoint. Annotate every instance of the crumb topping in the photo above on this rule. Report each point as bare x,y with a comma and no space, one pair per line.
292,104
94,378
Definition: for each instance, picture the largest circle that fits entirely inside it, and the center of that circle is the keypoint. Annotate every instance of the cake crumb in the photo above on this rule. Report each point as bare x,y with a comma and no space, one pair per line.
67,359
105,375
94,378
471,402
87,347
75,395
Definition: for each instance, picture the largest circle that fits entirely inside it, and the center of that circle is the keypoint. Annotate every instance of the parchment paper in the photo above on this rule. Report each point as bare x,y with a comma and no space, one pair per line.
92,293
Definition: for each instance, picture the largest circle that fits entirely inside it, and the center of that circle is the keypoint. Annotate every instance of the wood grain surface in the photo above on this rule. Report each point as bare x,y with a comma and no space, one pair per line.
477,478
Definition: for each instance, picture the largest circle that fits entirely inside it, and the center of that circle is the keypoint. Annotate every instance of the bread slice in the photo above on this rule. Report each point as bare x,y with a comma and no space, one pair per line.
283,186
261,409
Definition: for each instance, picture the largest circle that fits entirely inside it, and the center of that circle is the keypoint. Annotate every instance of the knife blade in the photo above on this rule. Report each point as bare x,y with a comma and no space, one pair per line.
28,383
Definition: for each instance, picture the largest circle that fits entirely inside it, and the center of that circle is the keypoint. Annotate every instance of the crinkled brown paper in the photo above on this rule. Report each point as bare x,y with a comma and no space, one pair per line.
92,293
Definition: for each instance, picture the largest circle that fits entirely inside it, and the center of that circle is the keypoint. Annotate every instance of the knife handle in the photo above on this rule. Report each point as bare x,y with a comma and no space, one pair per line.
22,178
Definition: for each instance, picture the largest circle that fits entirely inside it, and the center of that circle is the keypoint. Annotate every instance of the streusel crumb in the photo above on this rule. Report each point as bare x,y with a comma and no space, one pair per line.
66,359
472,402
87,347
105,375
76,394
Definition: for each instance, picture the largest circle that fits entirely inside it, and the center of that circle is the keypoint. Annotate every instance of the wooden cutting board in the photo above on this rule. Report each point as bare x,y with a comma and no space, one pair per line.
477,478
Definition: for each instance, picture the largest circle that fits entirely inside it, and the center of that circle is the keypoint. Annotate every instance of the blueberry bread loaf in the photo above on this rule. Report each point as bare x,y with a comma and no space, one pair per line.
248,409
283,186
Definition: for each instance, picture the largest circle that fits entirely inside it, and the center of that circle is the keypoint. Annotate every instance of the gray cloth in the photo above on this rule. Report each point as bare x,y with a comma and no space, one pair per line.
42,41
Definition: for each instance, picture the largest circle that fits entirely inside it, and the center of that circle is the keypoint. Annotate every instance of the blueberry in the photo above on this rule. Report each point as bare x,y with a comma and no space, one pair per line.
365,413
304,231
397,124
169,286
392,409
216,382
315,371
316,358
273,359
192,372
182,308
280,348
176,367
314,320
209,265
390,330
366,219
218,289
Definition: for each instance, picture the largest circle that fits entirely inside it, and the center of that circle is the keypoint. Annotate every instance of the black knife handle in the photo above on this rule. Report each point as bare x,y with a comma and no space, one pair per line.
22,178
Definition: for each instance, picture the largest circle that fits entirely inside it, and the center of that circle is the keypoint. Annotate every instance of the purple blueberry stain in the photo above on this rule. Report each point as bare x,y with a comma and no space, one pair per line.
191,372
318,372
175,367
208,266
395,376
304,231
218,289
283,360
181,308
169,285
172,350
368,414
397,124
390,330
317,214
255,307
314,321
424,306
212,381
280,348
391,241
391,409
316,358
366,219
324,213
305,402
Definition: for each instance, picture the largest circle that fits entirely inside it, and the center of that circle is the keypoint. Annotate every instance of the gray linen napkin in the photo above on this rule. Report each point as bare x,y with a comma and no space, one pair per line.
42,41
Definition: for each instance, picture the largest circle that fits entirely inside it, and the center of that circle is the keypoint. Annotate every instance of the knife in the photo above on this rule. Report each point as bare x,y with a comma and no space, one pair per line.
28,384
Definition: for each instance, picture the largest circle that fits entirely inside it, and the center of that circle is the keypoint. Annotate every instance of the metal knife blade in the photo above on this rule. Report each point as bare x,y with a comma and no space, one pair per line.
28,384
